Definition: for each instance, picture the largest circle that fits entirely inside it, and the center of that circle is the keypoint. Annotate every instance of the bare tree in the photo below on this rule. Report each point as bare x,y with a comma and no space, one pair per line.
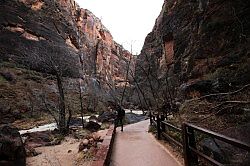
81,102
61,64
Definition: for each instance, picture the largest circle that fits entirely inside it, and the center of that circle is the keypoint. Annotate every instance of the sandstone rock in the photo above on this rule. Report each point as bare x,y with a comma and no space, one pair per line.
85,142
82,133
83,145
12,151
93,126
189,48
91,140
30,151
99,48
43,138
32,28
96,137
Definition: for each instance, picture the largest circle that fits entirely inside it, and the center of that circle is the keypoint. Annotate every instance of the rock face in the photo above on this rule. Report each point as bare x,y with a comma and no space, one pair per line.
196,47
12,151
38,34
31,28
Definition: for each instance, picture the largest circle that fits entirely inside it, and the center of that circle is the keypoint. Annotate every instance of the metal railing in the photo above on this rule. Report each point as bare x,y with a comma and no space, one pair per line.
187,139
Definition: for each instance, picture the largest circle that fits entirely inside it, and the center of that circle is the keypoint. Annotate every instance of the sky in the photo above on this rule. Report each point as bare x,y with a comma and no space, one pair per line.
129,21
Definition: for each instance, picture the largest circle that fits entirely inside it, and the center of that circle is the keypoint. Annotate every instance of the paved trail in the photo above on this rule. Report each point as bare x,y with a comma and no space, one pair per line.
136,147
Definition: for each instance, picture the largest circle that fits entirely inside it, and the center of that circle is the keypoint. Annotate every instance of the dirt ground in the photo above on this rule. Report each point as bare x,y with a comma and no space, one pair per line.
65,154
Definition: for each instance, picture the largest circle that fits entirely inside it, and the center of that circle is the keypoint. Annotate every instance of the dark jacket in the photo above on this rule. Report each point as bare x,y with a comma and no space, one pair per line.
121,112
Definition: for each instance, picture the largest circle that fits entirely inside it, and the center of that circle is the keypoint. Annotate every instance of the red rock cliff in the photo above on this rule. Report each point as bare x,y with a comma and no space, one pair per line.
35,34
200,46
38,24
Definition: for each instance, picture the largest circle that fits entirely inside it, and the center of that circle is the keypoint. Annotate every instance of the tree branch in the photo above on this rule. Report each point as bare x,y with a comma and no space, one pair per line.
220,94
224,103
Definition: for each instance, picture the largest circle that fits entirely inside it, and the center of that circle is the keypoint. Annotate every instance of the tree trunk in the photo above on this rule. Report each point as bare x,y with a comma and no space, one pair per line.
62,117
80,97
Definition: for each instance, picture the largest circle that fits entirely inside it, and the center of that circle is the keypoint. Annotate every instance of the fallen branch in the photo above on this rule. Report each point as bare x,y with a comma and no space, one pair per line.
224,103
223,109
229,102
221,94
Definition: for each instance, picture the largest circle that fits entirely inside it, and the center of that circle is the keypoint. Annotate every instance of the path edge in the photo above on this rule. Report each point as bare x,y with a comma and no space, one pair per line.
103,154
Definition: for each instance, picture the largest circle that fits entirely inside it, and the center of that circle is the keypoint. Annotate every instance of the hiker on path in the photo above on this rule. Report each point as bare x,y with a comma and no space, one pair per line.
120,116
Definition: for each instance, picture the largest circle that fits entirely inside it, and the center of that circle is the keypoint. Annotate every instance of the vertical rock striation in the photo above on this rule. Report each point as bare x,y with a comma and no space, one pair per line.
38,34
197,47
30,27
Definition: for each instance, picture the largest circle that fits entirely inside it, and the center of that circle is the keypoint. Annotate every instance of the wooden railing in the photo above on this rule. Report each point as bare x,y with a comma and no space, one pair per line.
167,130
187,139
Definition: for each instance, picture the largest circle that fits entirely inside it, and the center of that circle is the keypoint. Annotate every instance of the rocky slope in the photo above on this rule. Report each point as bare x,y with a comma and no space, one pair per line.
198,48
38,37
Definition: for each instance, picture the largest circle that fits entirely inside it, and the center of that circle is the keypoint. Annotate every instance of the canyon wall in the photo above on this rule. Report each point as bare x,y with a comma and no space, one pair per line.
197,48
38,38
31,27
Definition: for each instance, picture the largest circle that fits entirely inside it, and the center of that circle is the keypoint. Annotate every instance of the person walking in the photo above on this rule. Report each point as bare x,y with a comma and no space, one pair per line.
120,116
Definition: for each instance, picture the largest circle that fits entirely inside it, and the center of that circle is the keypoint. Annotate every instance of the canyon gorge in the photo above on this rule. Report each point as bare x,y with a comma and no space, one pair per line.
194,65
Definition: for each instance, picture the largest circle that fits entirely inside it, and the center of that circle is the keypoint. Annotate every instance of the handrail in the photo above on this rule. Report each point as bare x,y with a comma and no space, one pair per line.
191,153
211,160
172,139
224,138
188,142
172,126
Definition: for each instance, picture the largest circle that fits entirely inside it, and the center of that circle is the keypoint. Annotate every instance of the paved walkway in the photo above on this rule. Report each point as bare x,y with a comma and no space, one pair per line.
136,147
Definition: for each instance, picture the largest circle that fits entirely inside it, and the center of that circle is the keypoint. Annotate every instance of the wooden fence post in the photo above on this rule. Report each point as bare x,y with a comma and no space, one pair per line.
192,143
158,122
163,128
190,159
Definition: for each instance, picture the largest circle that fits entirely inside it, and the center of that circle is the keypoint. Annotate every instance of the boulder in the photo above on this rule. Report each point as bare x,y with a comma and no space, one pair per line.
83,145
226,153
106,117
93,118
93,126
96,137
236,155
211,148
30,151
81,133
76,122
43,138
12,151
